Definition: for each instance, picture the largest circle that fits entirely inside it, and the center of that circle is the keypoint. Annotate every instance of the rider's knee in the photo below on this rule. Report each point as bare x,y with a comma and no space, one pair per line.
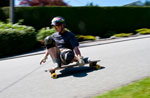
49,42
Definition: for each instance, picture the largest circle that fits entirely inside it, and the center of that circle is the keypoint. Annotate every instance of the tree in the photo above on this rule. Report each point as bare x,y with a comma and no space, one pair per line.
136,3
43,2
147,3
91,4
4,3
139,3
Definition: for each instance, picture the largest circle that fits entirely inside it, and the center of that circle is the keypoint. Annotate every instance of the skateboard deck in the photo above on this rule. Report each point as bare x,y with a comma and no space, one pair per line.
92,64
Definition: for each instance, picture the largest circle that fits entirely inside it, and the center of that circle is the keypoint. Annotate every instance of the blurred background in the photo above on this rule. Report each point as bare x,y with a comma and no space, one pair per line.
77,2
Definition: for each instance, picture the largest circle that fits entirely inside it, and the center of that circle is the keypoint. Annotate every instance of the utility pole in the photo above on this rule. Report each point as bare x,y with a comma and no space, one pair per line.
11,11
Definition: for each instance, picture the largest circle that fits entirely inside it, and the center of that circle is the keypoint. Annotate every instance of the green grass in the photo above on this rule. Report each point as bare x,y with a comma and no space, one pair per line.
139,89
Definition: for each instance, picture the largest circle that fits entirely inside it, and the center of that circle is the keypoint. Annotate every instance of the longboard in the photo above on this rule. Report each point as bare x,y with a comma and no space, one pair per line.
92,64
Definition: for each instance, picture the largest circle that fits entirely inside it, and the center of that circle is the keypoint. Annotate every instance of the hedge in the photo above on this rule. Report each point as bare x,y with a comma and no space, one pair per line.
15,39
3,16
100,21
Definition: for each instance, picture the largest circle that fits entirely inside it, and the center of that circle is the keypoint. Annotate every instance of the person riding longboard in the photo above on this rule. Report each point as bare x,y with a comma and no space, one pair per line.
62,46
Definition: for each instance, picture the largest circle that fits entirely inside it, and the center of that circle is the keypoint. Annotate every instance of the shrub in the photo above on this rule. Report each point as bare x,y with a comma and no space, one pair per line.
85,37
143,31
97,21
123,35
46,32
15,38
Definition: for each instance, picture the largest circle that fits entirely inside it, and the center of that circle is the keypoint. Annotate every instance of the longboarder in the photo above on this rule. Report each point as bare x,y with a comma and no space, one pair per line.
62,46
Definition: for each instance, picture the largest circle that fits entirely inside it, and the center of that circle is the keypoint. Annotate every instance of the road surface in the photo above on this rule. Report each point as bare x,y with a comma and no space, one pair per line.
122,62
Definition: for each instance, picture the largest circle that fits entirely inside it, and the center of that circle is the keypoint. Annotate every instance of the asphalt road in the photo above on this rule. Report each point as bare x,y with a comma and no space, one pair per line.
122,61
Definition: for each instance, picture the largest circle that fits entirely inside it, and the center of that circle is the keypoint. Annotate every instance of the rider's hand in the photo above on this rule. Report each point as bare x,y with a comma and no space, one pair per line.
81,61
43,60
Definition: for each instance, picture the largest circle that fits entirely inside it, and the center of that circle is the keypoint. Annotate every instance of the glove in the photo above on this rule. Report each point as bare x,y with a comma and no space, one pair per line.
80,61
43,60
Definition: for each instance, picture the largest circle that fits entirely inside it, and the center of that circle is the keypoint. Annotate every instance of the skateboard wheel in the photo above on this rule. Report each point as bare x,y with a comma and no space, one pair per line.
97,66
54,75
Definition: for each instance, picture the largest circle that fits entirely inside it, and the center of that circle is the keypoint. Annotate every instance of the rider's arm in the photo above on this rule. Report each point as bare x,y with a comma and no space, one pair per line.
79,57
77,51
46,54
75,45
45,57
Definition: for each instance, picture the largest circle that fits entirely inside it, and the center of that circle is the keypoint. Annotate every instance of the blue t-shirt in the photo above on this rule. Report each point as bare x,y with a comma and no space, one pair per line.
65,40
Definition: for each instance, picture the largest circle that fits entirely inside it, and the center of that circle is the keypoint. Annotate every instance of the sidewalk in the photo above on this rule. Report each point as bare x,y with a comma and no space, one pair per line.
83,44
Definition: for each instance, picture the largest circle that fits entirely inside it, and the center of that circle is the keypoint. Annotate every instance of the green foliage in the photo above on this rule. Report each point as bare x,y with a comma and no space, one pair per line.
147,3
4,3
85,37
139,89
97,21
45,32
123,34
2,14
143,31
15,38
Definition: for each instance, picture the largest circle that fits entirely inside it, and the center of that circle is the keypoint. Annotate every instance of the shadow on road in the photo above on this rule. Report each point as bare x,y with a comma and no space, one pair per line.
77,71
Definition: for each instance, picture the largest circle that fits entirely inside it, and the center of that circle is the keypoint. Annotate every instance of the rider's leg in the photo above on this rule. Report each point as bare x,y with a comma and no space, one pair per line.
68,56
55,55
53,50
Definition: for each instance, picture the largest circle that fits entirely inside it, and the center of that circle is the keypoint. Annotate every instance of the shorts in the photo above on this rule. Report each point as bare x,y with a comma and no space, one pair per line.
66,56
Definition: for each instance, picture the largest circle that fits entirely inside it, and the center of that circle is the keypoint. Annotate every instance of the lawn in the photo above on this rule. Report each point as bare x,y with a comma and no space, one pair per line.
138,89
